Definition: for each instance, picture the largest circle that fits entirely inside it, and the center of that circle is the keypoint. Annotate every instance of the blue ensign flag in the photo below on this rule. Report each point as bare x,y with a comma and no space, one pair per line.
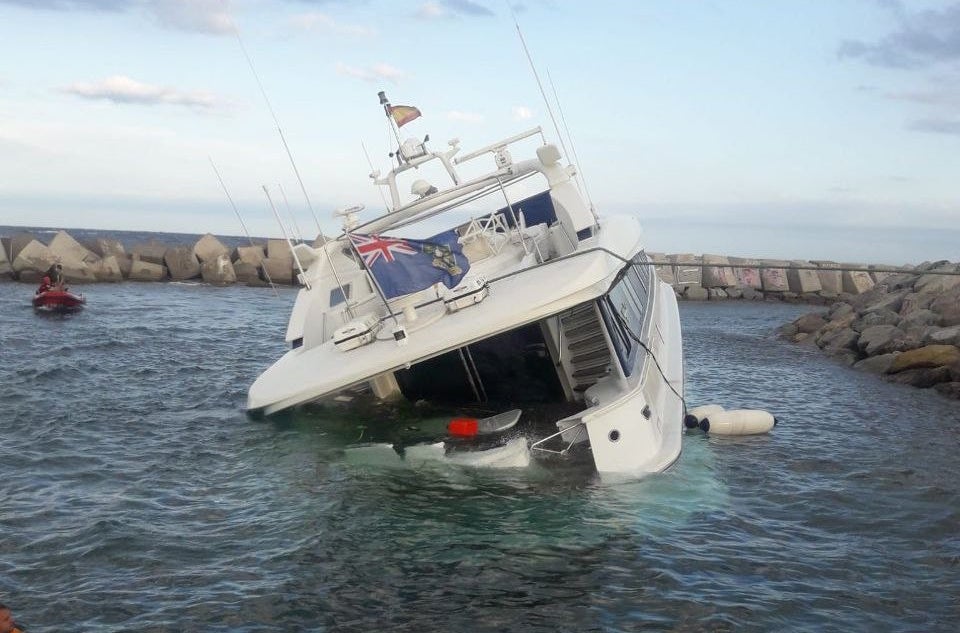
402,266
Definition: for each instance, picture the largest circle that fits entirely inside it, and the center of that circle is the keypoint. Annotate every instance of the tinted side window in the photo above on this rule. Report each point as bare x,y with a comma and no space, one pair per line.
339,295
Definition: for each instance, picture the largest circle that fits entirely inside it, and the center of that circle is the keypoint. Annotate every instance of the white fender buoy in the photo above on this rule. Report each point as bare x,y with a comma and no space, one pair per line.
697,414
738,422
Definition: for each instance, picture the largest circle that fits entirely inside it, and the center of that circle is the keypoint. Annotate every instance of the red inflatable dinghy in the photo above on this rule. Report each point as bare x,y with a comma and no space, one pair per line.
57,301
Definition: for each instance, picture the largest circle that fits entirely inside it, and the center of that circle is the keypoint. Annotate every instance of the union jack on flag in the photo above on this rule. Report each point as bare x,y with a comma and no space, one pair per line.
373,247
403,266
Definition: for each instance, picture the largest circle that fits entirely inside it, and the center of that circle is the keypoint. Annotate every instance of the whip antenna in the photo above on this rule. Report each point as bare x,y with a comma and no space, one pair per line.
293,218
379,188
242,223
536,76
573,147
276,121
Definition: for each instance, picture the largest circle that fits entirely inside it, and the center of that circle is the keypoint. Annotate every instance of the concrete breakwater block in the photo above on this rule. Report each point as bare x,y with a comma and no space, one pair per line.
831,280
70,250
108,269
685,275
18,242
208,249
717,276
33,256
247,273
219,271
249,254
151,252
746,272
774,279
141,270
6,270
856,282
182,263
279,249
105,247
801,280
280,271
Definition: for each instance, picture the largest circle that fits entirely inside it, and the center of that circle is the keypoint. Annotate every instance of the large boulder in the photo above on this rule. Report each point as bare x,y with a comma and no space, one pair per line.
880,339
182,263
944,336
65,247
151,252
919,318
876,364
810,323
141,270
924,357
695,292
923,378
208,248
892,301
913,301
877,317
33,256
947,305
938,283
108,269
219,271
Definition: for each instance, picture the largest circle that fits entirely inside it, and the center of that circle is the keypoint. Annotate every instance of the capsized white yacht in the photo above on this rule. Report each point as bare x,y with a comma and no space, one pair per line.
527,299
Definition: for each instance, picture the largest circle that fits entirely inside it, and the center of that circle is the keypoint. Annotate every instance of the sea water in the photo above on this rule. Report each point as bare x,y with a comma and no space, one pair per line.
135,494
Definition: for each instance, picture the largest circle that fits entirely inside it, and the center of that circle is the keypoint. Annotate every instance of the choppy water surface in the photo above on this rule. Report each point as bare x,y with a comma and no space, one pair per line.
136,496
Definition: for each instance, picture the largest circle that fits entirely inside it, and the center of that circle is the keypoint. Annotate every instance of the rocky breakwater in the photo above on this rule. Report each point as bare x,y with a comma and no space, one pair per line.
719,277
25,258
905,329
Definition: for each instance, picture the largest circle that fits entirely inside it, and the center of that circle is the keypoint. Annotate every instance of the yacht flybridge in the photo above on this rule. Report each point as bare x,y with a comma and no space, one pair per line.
527,300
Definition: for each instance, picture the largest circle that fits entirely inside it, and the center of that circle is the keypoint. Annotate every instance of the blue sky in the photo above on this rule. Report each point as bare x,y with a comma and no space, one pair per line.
785,129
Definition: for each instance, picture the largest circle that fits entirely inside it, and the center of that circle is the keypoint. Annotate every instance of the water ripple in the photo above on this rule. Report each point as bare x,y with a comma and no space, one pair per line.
138,494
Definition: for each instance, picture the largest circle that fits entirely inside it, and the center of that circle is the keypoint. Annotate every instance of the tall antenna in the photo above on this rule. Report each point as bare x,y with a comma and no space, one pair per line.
383,196
266,273
303,274
536,76
276,121
573,147
293,218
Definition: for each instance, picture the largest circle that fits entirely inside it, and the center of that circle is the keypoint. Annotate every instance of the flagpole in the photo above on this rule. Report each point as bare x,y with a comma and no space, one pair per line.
393,124
402,339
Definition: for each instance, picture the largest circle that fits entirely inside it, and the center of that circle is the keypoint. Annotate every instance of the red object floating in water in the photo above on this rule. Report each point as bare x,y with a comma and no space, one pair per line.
58,301
463,427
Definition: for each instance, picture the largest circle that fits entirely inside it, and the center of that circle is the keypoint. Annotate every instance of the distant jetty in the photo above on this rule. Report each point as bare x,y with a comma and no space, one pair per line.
25,257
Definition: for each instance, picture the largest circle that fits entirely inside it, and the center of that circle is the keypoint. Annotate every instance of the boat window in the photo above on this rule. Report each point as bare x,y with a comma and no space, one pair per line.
623,314
638,276
339,294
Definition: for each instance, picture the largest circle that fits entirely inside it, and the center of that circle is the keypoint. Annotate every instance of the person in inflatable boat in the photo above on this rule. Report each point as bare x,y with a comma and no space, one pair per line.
7,625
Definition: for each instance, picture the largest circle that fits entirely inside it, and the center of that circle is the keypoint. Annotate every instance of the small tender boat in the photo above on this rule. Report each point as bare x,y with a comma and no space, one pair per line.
57,301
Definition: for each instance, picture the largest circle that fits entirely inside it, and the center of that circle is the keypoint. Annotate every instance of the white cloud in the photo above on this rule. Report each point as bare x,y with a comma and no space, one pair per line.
377,72
432,11
315,21
201,16
464,117
121,89
522,113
